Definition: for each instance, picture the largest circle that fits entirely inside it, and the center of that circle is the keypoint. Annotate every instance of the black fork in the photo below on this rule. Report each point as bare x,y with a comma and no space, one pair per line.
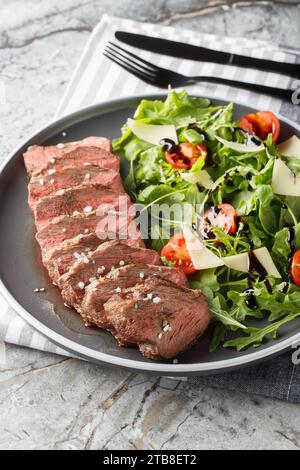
162,78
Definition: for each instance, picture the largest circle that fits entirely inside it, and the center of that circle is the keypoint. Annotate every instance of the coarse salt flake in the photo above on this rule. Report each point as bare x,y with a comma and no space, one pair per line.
81,285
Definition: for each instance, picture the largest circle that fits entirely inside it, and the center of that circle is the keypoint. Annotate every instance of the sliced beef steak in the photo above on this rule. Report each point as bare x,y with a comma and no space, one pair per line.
100,291
81,156
50,181
85,198
66,227
162,318
37,156
107,257
59,260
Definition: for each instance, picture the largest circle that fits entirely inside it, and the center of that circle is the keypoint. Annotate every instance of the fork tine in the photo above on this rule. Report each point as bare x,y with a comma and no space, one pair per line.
145,62
137,73
128,63
131,61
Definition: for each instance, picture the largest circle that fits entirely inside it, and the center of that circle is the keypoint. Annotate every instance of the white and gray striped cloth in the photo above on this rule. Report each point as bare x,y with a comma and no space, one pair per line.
96,79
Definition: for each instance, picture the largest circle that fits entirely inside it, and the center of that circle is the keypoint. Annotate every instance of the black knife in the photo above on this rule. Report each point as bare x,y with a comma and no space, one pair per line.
202,54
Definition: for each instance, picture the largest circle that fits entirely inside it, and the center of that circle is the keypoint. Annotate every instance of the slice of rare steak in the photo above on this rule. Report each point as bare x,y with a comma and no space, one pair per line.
38,156
105,258
59,260
84,198
162,318
66,227
81,156
100,291
50,181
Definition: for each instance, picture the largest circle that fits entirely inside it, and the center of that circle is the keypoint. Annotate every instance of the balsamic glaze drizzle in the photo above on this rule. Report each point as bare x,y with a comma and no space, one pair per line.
255,265
169,145
251,301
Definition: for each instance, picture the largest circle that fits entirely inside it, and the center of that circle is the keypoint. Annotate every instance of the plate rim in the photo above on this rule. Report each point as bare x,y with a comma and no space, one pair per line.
105,358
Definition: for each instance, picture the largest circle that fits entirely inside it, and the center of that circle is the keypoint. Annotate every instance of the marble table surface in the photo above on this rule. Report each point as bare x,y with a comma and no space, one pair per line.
50,402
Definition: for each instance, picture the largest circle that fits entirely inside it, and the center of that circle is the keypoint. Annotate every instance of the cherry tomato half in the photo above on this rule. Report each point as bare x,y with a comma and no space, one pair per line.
261,124
184,155
295,271
223,216
176,252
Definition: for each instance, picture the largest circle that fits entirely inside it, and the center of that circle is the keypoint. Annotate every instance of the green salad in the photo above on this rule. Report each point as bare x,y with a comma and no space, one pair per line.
243,190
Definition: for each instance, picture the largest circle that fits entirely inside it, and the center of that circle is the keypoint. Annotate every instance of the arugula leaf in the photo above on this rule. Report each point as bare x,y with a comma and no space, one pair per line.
269,209
293,163
257,335
205,279
129,182
226,319
162,192
149,169
244,202
281,248
190,135
218,337
297,236
293,204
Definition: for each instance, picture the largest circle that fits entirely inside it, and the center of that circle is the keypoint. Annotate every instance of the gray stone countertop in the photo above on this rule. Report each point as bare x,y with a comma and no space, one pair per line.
50,402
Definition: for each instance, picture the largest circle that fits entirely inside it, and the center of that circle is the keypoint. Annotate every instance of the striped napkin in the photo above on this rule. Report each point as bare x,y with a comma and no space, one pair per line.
96,79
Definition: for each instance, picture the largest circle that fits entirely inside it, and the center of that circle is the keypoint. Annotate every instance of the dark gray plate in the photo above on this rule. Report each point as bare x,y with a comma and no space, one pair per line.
21,270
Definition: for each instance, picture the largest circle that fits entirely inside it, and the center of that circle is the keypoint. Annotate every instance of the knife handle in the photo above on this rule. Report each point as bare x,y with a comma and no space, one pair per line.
266,65
282,93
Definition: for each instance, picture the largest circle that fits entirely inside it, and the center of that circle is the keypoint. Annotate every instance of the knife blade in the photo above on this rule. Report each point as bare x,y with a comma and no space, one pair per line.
203,54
